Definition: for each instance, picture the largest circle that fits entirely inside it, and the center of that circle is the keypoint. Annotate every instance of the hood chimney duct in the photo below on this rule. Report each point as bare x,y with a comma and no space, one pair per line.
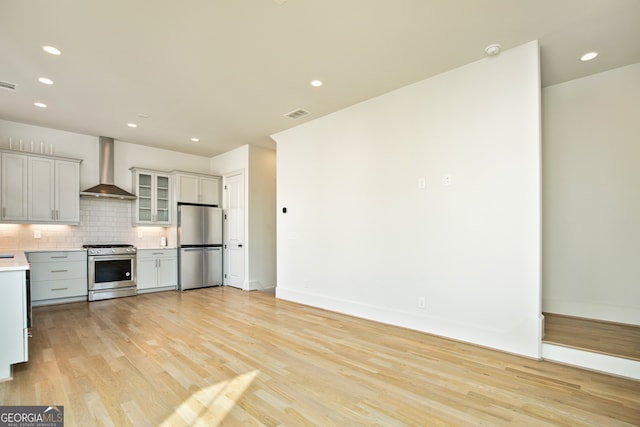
106,188
106,160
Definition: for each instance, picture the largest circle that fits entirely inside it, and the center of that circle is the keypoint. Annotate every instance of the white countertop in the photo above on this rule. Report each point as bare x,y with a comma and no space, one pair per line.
18,262
155,248
53,250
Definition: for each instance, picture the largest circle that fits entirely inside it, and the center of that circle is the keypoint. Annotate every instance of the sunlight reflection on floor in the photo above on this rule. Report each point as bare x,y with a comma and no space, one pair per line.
209,406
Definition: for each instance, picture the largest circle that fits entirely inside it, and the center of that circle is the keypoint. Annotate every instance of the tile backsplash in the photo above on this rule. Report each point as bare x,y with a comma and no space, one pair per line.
101,221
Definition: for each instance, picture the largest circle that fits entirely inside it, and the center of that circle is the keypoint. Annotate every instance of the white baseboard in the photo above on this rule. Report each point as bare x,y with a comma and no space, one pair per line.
618,366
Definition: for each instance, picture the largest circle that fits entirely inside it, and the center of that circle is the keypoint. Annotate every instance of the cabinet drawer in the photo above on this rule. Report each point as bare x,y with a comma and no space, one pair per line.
43,271
57,256
52,289
156,253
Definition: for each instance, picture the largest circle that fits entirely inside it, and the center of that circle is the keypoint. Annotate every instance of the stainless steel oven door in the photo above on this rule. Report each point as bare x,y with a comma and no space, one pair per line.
111,271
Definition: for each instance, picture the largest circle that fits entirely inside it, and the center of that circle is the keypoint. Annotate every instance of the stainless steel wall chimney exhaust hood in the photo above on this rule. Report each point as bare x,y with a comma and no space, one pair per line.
106,187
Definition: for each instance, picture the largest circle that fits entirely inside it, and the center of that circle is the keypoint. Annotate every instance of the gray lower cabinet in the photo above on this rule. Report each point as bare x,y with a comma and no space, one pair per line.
13,322
58,277
156,270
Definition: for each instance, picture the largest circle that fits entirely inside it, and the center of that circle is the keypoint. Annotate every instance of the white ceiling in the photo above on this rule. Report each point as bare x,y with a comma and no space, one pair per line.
227,71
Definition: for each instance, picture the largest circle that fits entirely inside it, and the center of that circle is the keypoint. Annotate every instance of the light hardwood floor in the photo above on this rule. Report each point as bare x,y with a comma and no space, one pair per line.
613,339
221,356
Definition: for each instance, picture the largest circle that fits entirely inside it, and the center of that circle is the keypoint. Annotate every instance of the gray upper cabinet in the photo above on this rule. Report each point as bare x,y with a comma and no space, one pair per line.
15,169
54,190
40,189
197,188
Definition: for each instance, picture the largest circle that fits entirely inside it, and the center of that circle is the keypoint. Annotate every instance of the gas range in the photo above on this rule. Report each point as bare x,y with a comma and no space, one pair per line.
109,249
111,271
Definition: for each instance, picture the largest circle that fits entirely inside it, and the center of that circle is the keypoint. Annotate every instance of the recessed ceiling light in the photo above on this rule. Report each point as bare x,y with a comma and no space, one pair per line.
52,50
45,81
588,56
316,83
40,104
132,125
195,139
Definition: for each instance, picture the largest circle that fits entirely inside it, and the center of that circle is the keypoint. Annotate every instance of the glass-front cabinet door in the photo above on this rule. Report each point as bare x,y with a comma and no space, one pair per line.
145,196
153,205
162,198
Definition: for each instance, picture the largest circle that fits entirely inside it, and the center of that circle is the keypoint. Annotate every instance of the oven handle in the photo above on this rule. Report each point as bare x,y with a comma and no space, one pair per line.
99,258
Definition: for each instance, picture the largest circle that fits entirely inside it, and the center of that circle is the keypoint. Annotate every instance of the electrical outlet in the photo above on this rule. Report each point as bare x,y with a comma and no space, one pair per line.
447,180
139,234
422,302
422,183
37,234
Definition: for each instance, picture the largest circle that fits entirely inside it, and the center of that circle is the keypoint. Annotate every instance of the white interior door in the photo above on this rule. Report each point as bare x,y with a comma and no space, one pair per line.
234,247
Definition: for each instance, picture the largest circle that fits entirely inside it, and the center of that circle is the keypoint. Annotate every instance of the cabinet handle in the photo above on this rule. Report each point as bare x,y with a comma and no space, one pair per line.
53,214
59,271
59,257
59,289
3,212
157,253
57,214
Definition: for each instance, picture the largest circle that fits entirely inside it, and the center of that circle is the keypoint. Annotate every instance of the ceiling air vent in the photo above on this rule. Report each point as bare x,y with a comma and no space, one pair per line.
7,85
296,114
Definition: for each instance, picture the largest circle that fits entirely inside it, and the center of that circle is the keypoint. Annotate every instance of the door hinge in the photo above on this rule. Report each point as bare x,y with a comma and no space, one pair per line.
225,275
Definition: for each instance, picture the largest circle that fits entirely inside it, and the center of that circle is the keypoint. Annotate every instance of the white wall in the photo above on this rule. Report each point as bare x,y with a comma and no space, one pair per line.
85,147
127,155
591,196
231,161
361,238
64,144
225,164
262,217
259,166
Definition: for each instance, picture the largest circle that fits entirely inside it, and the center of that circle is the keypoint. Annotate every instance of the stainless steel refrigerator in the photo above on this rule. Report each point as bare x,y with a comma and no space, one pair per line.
199,246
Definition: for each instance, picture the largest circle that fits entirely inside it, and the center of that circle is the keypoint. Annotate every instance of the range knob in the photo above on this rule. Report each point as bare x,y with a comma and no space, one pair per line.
113,251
